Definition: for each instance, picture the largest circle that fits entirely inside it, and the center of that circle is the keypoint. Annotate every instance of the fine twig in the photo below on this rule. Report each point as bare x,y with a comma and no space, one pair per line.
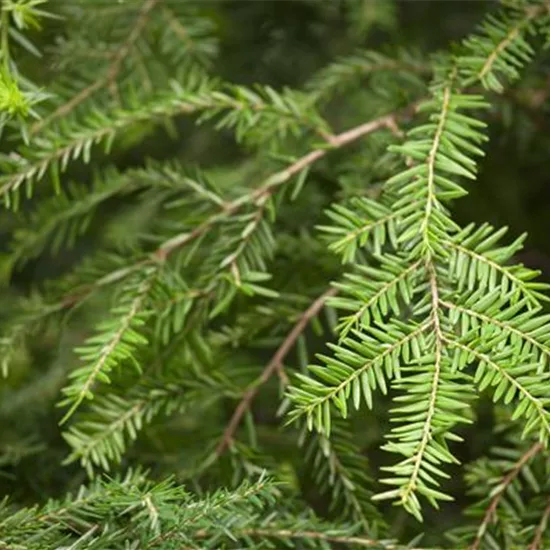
266,189
276,364
541,528
281,177
503,486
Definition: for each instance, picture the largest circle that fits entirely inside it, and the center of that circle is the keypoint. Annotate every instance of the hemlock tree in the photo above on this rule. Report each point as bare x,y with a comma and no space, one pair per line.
242,306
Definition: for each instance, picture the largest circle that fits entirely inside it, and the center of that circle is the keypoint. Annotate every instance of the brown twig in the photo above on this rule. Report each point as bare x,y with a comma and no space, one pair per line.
535,545
258,195
504,484
279,178
276,364
112,72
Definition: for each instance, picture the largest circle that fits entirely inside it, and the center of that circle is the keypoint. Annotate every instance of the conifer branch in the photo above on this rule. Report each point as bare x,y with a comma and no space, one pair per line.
282,177
116,340
276,364
540,412
260,194
228,208
504,271
109,75
54,150
82,141
434,313
427,428
361,542
504,325
541,528
445,147
502,488
530,13
500,47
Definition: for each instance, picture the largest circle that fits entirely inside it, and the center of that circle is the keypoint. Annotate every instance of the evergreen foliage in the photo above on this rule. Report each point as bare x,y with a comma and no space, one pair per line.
230,278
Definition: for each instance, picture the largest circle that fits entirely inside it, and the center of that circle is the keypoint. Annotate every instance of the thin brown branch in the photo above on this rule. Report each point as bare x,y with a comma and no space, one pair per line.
279,178
535,545
503,486
256,196
276,364
110,75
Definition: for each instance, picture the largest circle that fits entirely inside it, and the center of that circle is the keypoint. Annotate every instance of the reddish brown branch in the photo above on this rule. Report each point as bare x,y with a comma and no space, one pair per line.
535,545
281,177
504,484
276,364
265,190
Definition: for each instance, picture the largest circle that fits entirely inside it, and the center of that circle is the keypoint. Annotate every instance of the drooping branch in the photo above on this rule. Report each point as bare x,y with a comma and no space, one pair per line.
541,528
504,484
276,364
269,186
